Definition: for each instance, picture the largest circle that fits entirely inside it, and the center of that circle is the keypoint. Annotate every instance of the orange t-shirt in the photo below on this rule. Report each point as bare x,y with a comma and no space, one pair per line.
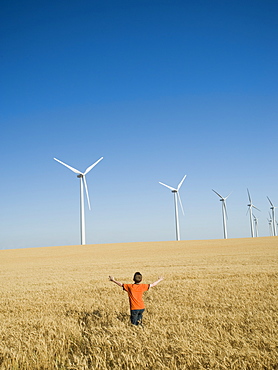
135,295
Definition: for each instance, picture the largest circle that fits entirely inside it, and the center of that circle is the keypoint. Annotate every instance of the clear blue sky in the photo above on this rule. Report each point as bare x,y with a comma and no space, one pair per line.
160,89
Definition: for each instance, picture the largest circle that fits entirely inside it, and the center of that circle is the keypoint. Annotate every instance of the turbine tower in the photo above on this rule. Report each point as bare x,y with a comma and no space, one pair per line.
224,213
176,195
273,217
251,206
83,183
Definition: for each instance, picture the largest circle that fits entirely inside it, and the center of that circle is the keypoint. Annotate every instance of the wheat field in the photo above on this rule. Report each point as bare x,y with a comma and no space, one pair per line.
215,309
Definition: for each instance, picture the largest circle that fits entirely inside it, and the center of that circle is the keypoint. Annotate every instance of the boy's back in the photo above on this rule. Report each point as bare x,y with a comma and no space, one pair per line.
135,295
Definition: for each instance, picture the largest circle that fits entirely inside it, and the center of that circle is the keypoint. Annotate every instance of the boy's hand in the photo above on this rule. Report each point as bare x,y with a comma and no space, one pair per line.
156,282
111,278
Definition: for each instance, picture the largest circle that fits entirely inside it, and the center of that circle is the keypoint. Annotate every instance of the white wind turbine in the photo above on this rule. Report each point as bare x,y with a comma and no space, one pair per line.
176,195
273,217
83,184
256,224
251,206
270,225
224,213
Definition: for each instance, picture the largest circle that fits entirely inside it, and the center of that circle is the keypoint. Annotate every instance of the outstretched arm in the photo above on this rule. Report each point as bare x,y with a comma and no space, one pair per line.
111,278
156,282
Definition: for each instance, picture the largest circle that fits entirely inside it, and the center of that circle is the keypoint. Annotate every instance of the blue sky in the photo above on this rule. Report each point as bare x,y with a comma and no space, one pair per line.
160,89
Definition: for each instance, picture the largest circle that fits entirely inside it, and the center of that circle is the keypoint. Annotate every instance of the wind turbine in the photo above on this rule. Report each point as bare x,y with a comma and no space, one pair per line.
273,217
83,183
224,212
256,224
176,195
270,225
251,206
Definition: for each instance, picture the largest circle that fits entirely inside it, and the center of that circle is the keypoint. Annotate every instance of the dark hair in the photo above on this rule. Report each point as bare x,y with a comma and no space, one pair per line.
137,277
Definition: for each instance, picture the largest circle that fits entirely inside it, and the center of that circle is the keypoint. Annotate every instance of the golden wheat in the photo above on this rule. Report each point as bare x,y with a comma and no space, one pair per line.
216,308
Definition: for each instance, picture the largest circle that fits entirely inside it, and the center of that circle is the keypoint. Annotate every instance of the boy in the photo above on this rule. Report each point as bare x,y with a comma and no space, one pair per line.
135,294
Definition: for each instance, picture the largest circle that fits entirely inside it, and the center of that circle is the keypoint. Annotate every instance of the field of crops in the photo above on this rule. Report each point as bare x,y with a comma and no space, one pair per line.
216,308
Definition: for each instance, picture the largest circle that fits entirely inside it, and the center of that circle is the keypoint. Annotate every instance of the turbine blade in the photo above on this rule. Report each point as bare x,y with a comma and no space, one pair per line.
270,202
92,166
71,168
249,197
87,193
220,196
180,203
256,208
228,195
180,184
167,186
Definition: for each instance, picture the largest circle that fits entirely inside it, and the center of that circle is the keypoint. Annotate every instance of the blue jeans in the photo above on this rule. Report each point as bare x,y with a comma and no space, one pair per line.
136,316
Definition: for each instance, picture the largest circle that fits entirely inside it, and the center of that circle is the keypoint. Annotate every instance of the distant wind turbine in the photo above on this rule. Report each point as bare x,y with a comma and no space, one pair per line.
273,217
224,213
270,225
251,206
256,224
176,195
83,184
